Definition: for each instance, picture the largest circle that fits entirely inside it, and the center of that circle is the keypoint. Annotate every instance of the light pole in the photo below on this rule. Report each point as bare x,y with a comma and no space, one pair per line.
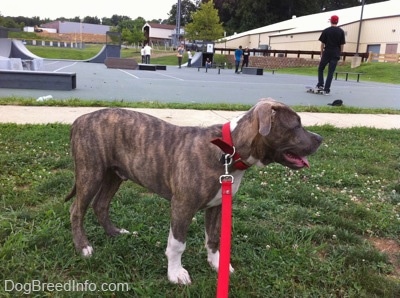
359,28
81,31
178,21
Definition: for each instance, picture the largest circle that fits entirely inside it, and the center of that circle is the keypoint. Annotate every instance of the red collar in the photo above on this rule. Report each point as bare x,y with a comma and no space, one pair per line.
226,145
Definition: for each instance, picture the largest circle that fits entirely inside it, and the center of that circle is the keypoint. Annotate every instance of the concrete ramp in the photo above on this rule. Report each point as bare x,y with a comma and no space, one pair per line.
5,47
19,50
107,51
197,60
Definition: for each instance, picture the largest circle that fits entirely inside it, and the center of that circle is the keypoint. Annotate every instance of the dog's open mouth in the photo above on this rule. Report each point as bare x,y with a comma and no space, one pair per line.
296,160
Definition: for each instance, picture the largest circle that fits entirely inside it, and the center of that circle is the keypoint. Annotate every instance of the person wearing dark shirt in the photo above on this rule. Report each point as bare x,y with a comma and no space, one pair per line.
332,41
246,54
238,56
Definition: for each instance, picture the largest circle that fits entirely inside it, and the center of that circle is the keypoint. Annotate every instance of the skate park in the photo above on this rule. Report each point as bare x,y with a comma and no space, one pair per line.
192,85
94,81
20,68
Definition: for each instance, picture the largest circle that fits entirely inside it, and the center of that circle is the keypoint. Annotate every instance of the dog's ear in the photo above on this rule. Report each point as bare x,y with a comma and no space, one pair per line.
264,113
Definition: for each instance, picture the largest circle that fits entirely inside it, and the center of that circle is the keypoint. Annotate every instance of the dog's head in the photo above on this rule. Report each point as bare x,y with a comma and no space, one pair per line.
277,135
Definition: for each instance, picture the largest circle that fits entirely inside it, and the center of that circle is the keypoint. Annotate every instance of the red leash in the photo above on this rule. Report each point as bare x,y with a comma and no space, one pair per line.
225,243
231,158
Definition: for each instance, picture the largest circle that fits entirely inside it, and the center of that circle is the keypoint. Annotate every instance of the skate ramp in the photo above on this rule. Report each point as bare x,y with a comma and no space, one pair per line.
5,47
196,60
107,51
19,50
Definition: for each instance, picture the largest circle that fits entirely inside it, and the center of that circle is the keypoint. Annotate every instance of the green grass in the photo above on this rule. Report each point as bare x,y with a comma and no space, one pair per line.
373,72
295,234
75,102
27,35
65,53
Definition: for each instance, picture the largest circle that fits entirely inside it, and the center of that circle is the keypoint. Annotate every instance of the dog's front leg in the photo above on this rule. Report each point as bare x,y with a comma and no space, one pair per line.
181,217
176,273
213,228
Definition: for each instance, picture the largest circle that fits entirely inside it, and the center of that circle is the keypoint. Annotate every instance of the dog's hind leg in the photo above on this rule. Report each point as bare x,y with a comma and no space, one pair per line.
213,228
101,203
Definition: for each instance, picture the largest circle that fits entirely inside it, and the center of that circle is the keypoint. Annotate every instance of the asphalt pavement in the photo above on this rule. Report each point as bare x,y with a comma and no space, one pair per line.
190,85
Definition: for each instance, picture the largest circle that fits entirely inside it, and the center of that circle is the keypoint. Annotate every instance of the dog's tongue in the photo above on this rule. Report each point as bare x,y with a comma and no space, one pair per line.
305,161
300,161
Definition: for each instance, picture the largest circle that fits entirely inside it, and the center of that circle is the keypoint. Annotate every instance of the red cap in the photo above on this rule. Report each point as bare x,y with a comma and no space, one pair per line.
334,19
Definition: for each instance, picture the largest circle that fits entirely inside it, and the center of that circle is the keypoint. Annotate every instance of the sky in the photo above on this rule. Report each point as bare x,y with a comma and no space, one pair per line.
52,9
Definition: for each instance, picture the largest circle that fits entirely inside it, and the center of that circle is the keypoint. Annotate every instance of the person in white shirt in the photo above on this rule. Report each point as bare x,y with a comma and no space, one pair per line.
143,55
189,59
147,53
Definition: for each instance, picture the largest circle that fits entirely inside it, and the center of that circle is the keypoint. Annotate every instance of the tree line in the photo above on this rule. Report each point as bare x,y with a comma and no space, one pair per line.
230,15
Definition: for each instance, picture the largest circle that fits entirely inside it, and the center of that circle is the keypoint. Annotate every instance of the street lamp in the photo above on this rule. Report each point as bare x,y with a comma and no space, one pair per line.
178,21
81,31
359,28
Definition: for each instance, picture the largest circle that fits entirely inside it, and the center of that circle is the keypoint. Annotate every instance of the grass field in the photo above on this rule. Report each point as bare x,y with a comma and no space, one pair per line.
328,231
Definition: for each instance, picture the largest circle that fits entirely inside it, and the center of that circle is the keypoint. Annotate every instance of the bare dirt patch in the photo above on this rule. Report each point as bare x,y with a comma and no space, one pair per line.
74,37
392,249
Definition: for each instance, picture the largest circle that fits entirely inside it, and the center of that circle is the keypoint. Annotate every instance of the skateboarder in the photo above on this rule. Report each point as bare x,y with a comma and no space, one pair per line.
332,41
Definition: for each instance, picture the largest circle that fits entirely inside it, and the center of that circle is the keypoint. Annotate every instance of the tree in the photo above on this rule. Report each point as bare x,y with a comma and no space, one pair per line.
187,8
243,15
206,24
8,22
131,30
91,20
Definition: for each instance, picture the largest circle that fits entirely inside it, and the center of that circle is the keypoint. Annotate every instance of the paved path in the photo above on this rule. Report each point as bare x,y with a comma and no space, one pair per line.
40,115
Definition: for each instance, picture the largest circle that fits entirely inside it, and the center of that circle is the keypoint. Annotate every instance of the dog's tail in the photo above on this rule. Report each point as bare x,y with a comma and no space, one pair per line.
71,194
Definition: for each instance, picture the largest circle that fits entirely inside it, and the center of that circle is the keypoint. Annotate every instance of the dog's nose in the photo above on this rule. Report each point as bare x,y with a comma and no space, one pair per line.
318,138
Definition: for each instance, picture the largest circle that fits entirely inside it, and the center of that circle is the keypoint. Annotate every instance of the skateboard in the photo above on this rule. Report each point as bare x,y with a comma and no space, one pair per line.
314,90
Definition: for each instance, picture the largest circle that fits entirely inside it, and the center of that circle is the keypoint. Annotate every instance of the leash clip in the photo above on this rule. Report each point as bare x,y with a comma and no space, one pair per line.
228,161
227,178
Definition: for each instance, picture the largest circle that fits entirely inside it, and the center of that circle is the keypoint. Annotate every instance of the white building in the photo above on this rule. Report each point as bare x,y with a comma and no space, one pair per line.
380,31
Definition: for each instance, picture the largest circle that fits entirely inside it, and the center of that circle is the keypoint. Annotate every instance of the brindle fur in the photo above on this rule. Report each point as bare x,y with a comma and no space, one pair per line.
178,163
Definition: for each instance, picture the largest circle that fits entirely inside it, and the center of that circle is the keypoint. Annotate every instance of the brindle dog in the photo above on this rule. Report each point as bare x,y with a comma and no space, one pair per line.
178,163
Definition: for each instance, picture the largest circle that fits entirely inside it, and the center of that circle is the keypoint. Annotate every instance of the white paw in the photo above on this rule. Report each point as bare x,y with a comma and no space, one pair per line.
231,270
179,276
123,231
87,251
213,260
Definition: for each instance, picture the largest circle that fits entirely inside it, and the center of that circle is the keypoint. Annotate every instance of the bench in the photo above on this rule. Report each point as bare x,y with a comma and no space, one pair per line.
347,73
253,71
273,70
207,68
161,67
151,67
120,63
42,80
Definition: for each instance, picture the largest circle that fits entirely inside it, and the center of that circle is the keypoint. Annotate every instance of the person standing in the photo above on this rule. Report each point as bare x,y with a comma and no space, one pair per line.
208,64
147,53
238,56
332,41
180,50
246,54
143,55
190,56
